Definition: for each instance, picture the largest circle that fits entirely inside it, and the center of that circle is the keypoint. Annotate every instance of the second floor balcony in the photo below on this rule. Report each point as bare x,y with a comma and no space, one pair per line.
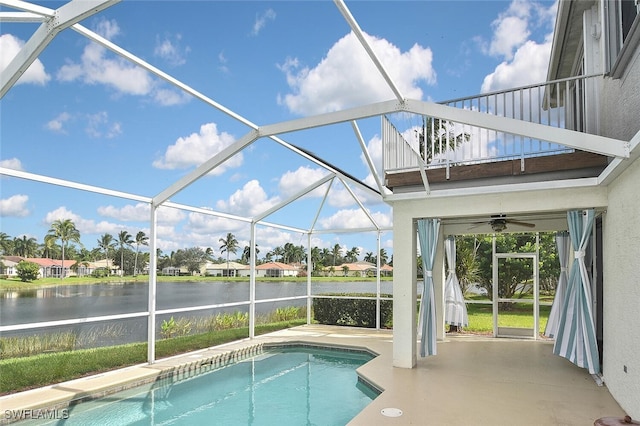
427,151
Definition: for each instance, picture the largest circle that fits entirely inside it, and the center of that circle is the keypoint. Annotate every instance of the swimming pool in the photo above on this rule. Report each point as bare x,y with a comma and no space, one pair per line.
282,386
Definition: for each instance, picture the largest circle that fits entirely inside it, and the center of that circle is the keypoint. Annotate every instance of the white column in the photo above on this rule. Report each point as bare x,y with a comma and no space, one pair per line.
309,272
252,282
404,291
153,267
378,325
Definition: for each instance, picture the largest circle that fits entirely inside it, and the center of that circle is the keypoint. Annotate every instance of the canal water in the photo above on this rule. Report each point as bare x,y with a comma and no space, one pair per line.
65,302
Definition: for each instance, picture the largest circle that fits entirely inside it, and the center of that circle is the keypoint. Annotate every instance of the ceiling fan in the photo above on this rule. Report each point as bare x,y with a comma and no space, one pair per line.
498,223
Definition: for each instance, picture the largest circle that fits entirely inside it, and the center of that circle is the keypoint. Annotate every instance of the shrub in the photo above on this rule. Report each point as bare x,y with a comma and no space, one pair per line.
173,328
352,312
27,271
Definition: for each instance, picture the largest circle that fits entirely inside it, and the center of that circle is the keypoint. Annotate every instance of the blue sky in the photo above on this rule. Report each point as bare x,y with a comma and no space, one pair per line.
84,114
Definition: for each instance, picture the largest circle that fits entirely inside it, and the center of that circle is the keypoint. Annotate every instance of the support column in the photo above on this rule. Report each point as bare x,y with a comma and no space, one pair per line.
252,282
404,291
153,272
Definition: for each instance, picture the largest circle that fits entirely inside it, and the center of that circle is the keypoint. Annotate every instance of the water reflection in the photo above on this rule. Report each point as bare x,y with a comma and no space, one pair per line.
65,302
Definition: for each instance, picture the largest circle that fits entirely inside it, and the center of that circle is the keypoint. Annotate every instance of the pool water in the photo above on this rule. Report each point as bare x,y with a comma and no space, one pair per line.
284,386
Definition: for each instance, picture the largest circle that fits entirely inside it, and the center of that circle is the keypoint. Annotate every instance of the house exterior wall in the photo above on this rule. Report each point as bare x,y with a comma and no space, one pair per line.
621,236
620,102
621,291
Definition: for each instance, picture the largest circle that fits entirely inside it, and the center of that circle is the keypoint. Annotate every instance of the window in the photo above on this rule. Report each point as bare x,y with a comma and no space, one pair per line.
621,18
628,10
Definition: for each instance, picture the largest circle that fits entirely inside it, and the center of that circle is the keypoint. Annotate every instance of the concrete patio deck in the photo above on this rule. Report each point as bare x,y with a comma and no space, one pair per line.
473,380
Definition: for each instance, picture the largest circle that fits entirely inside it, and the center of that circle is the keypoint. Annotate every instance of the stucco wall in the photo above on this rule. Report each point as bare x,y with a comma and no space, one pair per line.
620,103
620,118
621,273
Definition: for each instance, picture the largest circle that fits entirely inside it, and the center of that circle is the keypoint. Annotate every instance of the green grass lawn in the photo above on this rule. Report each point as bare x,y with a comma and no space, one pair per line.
9,284
520,315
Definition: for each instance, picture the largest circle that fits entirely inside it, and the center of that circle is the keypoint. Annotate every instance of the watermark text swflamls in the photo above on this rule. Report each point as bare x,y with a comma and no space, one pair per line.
37,414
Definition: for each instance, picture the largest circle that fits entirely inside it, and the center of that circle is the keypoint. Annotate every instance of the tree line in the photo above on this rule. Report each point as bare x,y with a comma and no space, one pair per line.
123,251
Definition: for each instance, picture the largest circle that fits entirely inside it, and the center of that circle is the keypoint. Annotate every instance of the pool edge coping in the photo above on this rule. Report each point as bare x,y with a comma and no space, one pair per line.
67,394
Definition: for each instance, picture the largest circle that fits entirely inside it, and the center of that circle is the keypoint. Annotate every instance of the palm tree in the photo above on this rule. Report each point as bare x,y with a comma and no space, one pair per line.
124,239
209,253
49,247
64,230
352,255
439,137
229,245
316,258
278,252
246,253
335,253
384,257
25,247
369,257
141,239
5,243
106,243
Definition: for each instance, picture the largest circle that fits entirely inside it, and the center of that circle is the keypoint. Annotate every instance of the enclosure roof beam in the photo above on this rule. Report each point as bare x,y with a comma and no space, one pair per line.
294,197
206,167
367,157
578,140
62,18
344,10
73,185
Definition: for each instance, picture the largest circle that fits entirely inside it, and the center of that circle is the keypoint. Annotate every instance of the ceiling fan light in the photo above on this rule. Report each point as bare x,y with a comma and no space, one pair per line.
498,225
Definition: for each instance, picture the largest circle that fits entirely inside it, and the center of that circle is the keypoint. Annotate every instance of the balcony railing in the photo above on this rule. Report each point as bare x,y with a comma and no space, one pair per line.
413,141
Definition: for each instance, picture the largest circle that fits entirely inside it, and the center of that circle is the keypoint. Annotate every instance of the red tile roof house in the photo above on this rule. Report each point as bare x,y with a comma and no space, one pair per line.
276,269
49,268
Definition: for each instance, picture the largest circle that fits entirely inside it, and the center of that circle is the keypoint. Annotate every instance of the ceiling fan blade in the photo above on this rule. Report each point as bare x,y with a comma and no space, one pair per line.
517,222
478,224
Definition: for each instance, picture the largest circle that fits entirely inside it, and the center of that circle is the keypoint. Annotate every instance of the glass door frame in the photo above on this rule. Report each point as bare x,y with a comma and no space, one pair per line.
536,292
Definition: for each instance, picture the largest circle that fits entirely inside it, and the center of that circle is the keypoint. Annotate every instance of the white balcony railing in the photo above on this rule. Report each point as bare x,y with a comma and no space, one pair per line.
411,141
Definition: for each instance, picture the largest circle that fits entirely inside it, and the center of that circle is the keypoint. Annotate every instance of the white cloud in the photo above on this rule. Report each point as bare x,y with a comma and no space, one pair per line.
14,206
84,226
141,212
347,77
95,68
511,29
11,163
529,66
171,50
261,21
294,181
525,61
168,97
198,147
99,126
57,124
248,201
354,218
9,48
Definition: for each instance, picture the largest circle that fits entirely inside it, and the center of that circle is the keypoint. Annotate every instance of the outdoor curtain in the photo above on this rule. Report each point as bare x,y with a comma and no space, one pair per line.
576,335
428,238
455,310
563,244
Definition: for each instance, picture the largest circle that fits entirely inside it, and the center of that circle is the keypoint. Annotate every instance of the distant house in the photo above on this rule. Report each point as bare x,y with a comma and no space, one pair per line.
88,268
8,265
52,268
224,269
172,271
276,269
360,269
